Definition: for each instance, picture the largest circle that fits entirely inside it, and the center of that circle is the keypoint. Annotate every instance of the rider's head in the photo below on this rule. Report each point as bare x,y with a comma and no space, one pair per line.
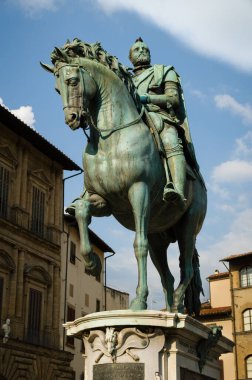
139,53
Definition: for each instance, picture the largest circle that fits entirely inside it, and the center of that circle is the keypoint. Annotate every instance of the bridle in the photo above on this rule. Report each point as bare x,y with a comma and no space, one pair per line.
83,108
82,105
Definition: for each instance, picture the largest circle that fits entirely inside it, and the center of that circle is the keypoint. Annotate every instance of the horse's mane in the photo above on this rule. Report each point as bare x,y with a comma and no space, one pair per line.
81,49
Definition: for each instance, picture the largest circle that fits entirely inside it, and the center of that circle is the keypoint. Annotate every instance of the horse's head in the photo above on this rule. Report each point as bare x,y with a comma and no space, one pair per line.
76,87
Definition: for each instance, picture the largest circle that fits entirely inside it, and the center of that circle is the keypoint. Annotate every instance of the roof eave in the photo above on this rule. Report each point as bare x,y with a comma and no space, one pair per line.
38,141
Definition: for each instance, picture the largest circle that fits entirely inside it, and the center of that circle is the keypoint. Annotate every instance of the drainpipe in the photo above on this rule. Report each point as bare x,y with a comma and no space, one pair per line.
64,179
67,249
234,330
65,290
105,279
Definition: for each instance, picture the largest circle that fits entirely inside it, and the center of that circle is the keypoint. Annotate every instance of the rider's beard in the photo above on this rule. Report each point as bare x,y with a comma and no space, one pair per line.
142,59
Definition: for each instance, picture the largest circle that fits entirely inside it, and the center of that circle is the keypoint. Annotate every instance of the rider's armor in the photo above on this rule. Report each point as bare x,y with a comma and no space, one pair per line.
159,88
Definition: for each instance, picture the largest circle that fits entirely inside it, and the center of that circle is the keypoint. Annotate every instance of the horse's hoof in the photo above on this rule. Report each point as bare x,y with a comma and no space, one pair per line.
168,308
178,309
138,304
72,207
95,267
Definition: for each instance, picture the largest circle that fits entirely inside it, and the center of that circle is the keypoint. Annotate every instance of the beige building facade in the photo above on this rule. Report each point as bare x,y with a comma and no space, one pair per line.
31,203
231,307
116,299
81,293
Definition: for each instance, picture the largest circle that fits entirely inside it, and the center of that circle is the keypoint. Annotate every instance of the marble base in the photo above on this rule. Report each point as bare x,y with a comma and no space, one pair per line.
147,345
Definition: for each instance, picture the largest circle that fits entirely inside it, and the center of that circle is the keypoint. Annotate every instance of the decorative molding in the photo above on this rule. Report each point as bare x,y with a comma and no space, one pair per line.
38,273
23,362
6,261
40,176
9,159
205,345
114,343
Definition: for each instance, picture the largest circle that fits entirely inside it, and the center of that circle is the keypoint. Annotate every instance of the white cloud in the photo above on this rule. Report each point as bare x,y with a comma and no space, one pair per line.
24,113
218,190
227,208
237,240
226,101
244,145
235,171
32,7
2,103
219,29
198,94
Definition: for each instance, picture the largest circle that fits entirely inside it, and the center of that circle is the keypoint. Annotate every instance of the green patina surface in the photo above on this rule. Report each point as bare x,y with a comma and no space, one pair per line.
150,185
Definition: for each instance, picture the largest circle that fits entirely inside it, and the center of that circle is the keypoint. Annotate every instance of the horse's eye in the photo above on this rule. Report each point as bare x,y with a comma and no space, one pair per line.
73,81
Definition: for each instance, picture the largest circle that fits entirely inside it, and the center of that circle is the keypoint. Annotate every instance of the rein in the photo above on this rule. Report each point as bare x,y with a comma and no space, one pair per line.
83,107
85,110
122,126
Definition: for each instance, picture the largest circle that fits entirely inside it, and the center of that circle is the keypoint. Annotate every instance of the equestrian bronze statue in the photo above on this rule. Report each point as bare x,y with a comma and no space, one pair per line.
149,182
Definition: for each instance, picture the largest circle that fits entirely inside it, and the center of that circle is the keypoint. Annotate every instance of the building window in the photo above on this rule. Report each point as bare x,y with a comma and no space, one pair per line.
86,300
246,277
247,320
1,297
38,211
71,290
98,305
82,347
70,317
4,190
249,367
72,252
34,316
98,277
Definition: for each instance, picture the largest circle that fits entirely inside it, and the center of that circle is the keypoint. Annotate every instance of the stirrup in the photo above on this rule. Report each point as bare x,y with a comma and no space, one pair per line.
170,195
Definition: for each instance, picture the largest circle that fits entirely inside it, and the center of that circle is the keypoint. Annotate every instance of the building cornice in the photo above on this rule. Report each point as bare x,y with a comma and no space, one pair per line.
21,129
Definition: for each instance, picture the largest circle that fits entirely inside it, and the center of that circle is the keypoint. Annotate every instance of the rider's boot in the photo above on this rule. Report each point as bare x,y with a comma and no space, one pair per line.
174,191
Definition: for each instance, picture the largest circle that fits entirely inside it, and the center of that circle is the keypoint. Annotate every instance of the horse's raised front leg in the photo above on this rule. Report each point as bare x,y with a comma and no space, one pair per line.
139,199
84,208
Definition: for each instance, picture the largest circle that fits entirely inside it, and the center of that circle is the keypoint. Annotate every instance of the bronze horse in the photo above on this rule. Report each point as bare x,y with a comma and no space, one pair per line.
124,174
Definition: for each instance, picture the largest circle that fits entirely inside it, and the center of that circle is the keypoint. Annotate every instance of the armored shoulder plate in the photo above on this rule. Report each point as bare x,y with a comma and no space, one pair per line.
171,75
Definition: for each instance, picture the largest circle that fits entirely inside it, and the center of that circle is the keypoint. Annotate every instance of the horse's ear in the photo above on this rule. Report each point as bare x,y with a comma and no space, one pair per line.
47,67
63,55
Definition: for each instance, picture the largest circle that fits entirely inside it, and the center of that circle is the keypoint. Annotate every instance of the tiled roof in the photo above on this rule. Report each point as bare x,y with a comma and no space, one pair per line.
218,275
37,140
237,256
224,310
205,305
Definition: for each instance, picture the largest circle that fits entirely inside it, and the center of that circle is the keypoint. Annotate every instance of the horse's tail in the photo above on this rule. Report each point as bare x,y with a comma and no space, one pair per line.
192,294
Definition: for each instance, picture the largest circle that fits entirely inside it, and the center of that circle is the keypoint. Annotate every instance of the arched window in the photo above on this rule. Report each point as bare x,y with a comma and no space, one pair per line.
246,277
249,367
247,320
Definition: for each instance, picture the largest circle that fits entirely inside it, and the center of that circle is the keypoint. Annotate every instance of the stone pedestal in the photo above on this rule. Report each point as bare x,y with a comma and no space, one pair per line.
148,345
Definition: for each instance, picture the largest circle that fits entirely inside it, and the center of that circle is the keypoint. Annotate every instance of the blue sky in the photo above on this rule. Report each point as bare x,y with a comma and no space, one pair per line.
209,43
